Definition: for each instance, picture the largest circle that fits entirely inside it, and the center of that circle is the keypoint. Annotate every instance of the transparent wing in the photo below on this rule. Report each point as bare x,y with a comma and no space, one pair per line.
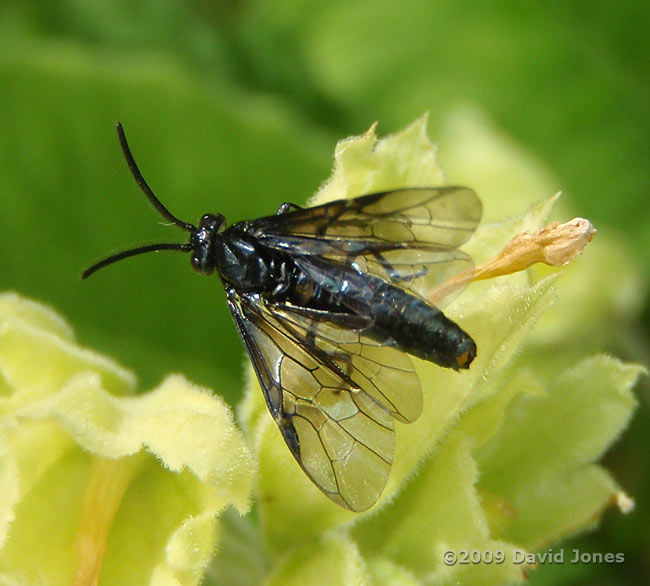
408,237
339,434
444,216
377,367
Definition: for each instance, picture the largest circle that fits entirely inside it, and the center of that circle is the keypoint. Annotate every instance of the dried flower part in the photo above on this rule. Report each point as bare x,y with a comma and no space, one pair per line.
556,245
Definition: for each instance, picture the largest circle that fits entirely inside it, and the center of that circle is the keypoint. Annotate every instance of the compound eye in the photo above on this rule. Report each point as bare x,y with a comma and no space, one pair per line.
213,222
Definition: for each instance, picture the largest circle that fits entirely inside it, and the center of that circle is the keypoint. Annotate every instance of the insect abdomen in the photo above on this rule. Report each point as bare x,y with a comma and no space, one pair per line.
421,329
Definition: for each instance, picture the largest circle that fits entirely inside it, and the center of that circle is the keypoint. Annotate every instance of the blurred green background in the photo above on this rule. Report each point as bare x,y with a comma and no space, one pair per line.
236,106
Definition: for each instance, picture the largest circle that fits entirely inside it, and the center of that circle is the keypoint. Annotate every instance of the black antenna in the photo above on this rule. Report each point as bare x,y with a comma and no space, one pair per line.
139,179
162,210
109,260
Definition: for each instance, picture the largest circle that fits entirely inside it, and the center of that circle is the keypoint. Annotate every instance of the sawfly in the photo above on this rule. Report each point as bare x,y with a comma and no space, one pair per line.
329,301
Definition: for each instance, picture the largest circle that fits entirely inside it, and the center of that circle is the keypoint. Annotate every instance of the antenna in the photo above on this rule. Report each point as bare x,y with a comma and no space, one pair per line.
162,210
139,179
109,260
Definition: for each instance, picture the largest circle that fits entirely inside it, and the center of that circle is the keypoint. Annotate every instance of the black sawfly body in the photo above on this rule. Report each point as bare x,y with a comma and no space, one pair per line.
327,301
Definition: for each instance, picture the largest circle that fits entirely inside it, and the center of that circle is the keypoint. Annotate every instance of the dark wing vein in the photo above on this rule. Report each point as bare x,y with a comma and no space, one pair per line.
443,216
374,365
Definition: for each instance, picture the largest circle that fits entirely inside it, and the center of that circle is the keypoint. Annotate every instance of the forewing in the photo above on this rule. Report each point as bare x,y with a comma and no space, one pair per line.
408,237
342,438
444,216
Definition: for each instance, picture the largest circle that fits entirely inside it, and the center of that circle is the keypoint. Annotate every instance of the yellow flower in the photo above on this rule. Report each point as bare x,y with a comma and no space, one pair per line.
99,484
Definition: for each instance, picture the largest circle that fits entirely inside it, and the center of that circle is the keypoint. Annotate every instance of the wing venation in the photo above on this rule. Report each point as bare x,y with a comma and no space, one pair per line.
342,437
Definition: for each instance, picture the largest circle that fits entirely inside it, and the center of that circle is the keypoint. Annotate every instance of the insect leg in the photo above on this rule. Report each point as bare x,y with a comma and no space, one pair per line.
348,321
394,275
287,207
282,313
338,355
